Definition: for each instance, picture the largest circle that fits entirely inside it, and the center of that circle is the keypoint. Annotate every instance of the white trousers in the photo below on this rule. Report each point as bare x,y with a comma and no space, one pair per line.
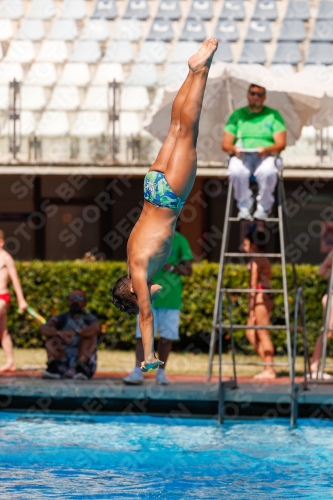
265,172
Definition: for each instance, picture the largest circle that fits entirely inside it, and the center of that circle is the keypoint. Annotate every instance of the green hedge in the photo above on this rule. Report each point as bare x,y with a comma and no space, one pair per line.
46,285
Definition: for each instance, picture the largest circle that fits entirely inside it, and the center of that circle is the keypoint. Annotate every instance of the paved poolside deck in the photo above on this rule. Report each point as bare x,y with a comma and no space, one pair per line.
185,396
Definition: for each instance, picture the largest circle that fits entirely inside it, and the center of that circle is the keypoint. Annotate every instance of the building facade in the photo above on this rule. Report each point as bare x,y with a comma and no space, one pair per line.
93,209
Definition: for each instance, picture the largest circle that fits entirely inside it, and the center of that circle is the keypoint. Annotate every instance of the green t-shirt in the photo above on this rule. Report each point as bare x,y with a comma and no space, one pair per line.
170,296
255,129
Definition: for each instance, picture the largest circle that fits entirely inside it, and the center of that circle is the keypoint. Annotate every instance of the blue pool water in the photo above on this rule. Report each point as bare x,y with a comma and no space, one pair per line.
65,457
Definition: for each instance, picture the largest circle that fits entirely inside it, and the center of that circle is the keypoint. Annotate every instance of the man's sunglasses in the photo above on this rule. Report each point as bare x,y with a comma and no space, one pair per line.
76,298
259,94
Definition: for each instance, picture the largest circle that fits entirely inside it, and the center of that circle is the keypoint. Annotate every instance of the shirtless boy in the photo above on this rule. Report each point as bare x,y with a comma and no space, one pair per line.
8,272
166,187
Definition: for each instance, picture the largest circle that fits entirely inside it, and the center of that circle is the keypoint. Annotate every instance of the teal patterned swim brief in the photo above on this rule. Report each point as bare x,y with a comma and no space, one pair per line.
157,191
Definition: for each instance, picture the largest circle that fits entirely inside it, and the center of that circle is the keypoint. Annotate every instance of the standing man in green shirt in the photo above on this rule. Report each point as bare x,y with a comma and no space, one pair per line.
166,308
253,136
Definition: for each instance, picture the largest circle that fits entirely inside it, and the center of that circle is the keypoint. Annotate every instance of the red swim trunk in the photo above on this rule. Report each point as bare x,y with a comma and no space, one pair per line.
261,287
5,297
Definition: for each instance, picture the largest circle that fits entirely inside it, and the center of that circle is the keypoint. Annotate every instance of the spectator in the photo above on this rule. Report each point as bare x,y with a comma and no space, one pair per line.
71,341
166,308
252,136
8,272
260,304
325,270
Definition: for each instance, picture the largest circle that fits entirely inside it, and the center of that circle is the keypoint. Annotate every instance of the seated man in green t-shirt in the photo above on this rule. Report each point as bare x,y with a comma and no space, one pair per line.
253,136
166,308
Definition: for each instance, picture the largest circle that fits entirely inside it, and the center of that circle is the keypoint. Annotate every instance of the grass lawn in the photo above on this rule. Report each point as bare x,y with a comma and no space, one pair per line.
178,363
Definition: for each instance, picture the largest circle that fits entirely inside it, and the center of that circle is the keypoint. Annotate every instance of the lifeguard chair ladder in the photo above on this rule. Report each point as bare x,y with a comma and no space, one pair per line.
219,327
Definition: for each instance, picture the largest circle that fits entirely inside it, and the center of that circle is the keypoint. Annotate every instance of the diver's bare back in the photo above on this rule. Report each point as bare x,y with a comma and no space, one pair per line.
150,242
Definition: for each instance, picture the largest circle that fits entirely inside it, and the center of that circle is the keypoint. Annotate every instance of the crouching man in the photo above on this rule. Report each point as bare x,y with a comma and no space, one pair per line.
71,341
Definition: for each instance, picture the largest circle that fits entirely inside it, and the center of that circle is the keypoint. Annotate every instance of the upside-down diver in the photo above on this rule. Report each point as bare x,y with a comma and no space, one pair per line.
166,187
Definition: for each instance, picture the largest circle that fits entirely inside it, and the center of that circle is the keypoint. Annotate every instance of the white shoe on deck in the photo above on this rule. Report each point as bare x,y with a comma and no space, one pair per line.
317,376
161,378
134,378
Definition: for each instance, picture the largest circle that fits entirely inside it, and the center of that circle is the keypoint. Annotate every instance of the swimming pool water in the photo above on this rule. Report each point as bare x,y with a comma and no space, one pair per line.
67,457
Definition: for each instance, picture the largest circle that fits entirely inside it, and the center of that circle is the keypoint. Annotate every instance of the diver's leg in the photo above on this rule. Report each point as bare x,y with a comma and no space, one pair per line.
182,165
163,156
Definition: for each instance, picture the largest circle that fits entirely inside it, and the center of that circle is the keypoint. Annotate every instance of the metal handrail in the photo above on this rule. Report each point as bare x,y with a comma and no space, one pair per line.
220,330
233,355
299,307
221,388
219,279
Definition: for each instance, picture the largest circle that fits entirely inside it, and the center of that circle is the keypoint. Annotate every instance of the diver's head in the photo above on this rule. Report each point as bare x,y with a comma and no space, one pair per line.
124,297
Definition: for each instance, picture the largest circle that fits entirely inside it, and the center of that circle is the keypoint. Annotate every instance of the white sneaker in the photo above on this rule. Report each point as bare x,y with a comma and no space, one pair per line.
245,214
260,214
134,378
161,378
